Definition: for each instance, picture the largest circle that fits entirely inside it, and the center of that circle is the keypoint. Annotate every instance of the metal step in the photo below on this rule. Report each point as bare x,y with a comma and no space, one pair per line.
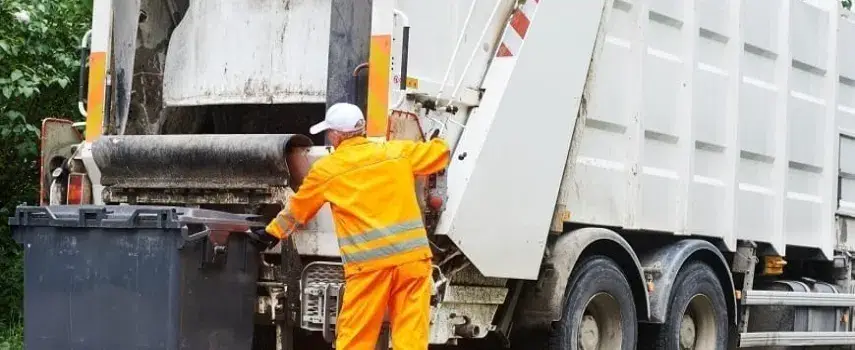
795,339
766,297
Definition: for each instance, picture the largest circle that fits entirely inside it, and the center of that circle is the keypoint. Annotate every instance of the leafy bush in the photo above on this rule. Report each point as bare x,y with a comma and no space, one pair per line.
38,75
12,338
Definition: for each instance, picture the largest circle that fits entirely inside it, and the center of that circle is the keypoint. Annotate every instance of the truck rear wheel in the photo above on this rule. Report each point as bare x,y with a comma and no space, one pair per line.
697,317
599,312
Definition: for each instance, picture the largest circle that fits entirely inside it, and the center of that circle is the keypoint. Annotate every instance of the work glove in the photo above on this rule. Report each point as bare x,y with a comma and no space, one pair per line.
262,239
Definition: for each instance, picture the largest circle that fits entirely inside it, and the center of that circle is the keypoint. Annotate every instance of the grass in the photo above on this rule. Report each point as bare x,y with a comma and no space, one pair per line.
12,338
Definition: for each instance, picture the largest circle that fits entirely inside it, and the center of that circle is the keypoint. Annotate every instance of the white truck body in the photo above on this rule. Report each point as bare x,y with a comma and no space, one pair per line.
721,119
723,130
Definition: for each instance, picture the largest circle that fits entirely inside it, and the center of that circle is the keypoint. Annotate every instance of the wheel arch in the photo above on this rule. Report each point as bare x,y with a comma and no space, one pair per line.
543,302
664,263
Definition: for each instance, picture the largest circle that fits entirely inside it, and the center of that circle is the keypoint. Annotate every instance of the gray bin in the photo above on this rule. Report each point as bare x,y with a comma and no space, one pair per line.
128,277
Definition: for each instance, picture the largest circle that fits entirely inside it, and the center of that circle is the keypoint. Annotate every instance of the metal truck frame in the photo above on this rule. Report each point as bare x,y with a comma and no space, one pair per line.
661,173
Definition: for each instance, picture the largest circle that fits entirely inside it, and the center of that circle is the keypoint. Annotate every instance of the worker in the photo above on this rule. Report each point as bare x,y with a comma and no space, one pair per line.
382,240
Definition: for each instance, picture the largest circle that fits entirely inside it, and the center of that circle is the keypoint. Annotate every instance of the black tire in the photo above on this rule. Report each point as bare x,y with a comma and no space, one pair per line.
697,294
597,281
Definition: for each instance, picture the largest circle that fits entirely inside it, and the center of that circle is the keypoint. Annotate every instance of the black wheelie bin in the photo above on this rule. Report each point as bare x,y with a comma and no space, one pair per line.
131,277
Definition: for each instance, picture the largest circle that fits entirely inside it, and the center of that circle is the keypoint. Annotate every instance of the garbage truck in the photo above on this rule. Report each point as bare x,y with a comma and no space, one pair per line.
668,174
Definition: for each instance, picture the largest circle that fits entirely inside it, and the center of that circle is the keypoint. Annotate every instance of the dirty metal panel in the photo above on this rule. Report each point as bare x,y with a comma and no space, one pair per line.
472,277
350,22
146,113
475,295
454,321
237,52
272,195
126,16
318,237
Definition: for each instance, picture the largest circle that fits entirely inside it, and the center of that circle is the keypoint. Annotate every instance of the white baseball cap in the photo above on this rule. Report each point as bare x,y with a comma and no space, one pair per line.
343,117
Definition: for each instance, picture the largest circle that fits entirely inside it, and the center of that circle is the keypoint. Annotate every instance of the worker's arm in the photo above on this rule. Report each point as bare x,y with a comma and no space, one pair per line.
283,225
301,207
427,157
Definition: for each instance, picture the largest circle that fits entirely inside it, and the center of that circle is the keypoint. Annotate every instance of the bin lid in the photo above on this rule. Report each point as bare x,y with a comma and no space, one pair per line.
130,216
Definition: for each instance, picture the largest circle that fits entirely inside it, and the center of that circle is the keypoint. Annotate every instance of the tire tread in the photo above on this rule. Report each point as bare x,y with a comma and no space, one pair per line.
588,270
666,336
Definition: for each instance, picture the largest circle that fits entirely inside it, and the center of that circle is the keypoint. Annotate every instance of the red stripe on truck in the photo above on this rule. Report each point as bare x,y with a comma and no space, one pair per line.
504,51
520,23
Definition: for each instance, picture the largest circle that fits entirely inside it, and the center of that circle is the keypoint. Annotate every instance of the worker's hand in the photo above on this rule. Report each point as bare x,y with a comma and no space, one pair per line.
262,239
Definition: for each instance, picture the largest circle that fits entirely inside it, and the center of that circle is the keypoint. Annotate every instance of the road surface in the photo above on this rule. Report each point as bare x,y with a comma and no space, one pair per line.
317,343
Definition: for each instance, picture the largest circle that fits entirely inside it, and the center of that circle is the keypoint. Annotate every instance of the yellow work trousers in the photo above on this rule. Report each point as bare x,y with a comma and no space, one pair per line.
404,290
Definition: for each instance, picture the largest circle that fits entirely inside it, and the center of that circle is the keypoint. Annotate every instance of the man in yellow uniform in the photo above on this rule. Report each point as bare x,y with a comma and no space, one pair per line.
387,258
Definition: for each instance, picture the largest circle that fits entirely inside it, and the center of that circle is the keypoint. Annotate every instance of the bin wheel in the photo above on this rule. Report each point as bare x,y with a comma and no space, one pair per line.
697,316
599,312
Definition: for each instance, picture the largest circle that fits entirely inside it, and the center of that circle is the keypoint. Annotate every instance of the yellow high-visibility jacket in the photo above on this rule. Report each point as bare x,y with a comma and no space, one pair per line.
371,191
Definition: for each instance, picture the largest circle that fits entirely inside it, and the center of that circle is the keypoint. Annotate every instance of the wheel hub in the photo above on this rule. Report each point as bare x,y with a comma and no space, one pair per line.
599,328
698,325
589,333
688,332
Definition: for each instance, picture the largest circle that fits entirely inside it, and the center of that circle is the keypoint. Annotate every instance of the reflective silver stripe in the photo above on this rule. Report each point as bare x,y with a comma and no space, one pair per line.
378,233
288,216
385,251
282,223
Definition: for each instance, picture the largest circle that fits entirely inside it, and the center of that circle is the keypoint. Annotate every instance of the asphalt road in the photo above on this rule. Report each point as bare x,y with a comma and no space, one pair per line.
313,342
432,347
316,343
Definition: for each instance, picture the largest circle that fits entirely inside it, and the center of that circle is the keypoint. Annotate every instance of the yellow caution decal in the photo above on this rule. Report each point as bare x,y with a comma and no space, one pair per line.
97,80
378,85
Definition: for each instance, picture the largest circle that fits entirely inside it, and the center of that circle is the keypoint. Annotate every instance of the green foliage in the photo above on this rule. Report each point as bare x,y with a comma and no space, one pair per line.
847,4
12,338
38,48
19,177
38,78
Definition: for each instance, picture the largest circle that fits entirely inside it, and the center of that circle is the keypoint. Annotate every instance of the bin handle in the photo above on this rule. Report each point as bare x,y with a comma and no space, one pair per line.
214,253
198,235
85,214
211,235
24,214
161,214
